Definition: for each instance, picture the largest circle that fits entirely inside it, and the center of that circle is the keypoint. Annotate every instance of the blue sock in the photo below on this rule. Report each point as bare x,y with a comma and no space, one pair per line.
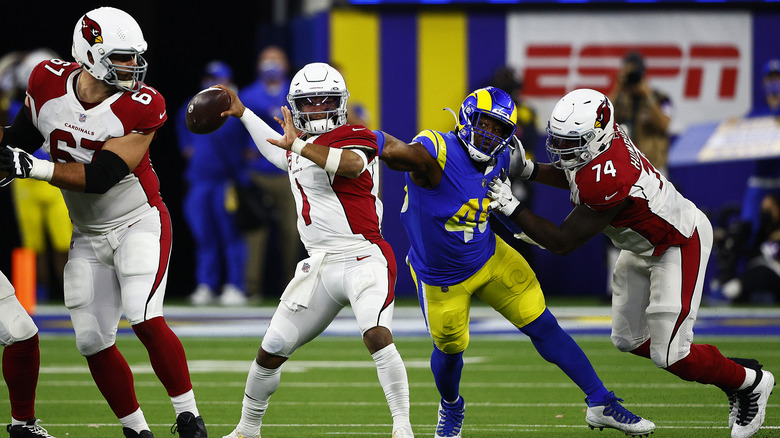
446,372
556,346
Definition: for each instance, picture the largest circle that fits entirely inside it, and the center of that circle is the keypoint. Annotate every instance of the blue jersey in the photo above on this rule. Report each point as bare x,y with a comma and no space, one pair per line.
266,105
448,224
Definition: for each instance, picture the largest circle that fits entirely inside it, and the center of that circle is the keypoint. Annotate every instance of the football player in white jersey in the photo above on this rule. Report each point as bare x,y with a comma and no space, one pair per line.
665,242
333,170
96,118
21,363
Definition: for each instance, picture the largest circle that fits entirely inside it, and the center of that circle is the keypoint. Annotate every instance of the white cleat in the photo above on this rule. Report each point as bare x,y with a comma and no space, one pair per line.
613,415
232,296
751,405
404,431
235,434
202,296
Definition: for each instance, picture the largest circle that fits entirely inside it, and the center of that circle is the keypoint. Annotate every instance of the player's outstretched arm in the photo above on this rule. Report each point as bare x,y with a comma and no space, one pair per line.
413,158
579,226
257,128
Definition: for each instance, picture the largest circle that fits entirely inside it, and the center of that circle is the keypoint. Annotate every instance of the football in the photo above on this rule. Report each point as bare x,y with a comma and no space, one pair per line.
204,109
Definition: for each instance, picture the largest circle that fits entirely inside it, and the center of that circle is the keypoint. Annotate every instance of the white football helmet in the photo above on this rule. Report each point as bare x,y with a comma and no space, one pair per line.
105,32
581,126
318,80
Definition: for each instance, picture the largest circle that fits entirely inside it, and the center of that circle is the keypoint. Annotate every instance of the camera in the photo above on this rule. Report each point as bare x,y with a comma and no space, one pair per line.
633,77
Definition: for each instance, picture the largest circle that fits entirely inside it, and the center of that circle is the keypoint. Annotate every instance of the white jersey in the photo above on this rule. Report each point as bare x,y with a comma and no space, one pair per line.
337,214
75,132
659,215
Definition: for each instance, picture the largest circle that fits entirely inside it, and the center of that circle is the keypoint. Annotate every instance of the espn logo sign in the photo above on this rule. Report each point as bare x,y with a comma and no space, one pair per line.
553,69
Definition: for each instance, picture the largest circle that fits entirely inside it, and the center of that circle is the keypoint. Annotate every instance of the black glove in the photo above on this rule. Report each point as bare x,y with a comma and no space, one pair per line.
16,162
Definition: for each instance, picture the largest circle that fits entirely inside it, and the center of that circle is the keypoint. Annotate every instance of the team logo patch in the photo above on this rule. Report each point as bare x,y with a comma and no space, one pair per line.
603,115
306,268
91,32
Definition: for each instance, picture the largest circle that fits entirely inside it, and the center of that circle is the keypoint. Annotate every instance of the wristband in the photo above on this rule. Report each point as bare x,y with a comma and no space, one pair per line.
297,146
520,207
41,170
530,171
333,161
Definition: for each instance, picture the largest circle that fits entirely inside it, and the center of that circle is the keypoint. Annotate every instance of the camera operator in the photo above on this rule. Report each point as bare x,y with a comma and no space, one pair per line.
642,111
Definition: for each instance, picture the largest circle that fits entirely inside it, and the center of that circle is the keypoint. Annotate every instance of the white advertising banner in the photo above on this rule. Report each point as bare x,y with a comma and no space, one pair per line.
702,60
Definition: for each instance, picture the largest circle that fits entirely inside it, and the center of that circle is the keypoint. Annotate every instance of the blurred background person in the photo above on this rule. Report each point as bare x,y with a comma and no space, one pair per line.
748,253
644,112
645,115
765,179
215,165
507,79
41,214
265,97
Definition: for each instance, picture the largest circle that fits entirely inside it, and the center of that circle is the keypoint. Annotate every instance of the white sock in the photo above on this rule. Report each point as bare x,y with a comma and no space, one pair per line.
260,384
135,421
392,376
15,422
185,403
750,377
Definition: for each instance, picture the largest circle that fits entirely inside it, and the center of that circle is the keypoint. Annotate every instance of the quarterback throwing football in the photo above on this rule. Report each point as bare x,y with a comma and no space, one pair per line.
333,176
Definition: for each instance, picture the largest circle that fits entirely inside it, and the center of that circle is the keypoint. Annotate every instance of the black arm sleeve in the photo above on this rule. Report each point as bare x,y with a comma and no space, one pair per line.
102,174
22,133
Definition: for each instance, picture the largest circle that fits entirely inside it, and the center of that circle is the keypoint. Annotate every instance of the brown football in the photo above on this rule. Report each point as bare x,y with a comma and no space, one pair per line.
204,109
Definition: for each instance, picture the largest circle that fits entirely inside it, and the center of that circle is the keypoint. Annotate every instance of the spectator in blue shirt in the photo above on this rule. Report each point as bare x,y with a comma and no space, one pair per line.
265,97
215,166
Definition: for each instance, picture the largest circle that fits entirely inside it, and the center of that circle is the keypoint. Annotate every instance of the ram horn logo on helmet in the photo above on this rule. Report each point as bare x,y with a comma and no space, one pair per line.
602,115
91,32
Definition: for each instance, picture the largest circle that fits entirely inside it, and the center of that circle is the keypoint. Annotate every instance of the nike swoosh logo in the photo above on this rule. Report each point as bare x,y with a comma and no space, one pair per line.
358,129
162,115
363,257
607,198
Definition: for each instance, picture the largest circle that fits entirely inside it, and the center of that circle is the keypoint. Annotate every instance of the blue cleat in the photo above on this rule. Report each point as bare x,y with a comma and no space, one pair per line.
450,418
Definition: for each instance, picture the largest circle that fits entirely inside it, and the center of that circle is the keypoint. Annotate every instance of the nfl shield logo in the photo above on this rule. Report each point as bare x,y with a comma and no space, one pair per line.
82,118
305,268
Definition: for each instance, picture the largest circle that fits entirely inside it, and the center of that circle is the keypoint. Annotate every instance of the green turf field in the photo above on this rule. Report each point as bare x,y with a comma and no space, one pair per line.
329,388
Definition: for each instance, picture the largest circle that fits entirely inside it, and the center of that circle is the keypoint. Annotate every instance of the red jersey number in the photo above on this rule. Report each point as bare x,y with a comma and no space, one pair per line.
62,142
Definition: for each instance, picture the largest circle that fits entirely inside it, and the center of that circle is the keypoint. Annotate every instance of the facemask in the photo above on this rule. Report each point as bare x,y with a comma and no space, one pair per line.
271,71
772,87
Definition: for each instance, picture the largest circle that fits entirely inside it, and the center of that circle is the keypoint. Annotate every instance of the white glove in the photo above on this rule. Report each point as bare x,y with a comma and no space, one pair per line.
20,164
520,166
502,199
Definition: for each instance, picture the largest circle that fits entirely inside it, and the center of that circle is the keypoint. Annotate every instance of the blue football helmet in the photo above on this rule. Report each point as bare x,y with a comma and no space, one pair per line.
486,102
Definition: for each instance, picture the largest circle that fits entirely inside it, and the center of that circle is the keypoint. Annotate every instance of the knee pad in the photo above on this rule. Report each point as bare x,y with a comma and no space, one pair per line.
281,341
89,337
15,324
452,336
623,344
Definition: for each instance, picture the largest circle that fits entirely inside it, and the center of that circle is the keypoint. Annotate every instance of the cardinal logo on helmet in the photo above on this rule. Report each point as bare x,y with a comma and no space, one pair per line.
603,115
91,32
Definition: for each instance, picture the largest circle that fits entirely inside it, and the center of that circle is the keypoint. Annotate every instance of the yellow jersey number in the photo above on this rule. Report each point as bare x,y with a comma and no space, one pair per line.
471,215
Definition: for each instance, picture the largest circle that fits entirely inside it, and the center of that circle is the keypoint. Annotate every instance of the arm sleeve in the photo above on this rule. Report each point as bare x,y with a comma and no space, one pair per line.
102,174
22,133
260,131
